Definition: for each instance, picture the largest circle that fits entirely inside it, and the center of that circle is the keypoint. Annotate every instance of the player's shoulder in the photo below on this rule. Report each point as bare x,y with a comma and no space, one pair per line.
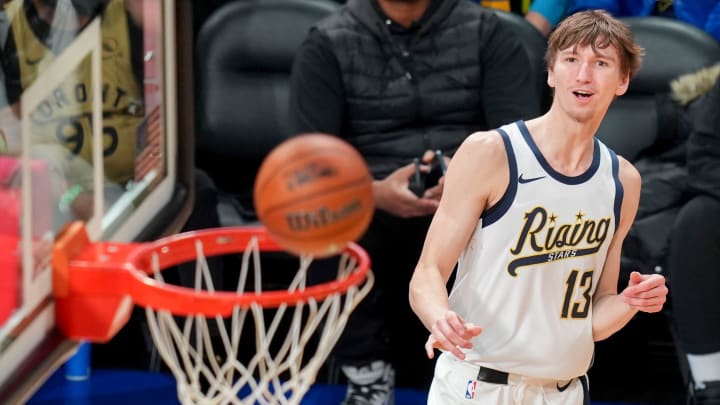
627,172
630,179
483,143
483,150
489,141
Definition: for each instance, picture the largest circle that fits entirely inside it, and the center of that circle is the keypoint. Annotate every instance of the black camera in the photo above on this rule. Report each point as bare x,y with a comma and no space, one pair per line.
421,181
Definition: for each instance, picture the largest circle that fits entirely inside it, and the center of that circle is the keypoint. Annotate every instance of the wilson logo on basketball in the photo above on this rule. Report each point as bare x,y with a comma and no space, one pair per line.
313,193
312,172
322,217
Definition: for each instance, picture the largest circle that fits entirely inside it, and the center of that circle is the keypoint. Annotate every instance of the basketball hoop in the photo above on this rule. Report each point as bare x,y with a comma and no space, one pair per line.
197,331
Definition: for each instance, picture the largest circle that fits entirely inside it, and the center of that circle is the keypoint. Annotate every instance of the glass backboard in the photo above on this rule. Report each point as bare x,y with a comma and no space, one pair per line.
87,132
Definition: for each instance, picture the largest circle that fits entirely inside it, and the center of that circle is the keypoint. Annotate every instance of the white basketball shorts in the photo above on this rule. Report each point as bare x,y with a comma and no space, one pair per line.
456,382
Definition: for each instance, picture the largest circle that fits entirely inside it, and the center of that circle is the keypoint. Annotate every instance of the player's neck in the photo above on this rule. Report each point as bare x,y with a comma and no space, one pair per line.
404,12
565,143
563,122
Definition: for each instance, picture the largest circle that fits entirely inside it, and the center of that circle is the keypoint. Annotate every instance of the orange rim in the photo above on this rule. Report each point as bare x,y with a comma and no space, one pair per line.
99,278
177,249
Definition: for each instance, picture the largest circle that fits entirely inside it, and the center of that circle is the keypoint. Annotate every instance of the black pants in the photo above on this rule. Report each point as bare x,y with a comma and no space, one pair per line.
383,326
694,275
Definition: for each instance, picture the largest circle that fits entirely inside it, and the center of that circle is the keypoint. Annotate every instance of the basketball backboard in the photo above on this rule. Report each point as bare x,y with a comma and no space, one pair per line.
92,136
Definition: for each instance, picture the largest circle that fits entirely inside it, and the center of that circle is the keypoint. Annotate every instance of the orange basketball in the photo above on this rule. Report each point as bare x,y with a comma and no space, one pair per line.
313,193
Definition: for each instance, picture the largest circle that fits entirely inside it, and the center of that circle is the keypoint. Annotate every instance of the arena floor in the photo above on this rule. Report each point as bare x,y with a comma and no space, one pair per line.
636,366
116,387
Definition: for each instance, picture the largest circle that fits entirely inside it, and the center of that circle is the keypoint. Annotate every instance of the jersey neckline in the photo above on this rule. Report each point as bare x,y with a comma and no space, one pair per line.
570,180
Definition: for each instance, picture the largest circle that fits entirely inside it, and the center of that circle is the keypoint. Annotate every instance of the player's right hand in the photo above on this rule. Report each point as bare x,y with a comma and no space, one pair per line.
451,333
392,195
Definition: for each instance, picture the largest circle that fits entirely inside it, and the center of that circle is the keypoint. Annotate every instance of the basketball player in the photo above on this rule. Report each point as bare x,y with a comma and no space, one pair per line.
535,214
39,31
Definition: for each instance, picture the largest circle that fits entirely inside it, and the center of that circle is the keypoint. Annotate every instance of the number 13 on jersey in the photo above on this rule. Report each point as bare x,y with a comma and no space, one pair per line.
578,295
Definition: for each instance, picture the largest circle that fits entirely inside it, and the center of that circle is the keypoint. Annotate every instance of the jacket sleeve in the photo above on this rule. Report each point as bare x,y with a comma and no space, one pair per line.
508,88
317,96
704,146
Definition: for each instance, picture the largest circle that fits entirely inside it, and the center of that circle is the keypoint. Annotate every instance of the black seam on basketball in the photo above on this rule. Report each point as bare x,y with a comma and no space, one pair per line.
340,187
314,152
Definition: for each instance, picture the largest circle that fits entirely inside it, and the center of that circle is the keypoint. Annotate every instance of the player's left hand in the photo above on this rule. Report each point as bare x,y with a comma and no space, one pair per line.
645,292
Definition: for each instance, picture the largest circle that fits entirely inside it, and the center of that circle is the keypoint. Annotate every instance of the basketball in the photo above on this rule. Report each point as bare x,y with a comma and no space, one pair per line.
313,193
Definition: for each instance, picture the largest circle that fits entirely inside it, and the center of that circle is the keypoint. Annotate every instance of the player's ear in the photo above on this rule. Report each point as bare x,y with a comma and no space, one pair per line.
551,78
623,85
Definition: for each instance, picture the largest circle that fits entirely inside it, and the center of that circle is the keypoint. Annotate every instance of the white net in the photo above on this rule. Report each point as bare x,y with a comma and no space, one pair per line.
205,353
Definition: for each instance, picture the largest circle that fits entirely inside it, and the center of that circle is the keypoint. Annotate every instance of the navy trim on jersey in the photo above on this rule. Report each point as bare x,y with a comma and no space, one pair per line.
619,191
586,390
496,212
570,180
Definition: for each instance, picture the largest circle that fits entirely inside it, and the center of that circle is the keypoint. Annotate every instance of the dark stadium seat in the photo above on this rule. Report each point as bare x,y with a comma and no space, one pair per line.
644,123
244,54
672,48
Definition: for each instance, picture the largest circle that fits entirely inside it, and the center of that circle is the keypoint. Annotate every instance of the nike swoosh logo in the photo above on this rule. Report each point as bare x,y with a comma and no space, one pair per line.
522,180
564,387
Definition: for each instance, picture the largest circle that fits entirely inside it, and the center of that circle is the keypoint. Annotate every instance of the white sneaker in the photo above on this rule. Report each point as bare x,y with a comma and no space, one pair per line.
370,384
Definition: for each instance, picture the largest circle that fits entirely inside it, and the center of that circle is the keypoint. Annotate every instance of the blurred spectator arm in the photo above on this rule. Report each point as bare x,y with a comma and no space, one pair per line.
545,14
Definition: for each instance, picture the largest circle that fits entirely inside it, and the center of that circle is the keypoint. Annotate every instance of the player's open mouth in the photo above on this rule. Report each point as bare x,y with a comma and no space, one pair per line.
584,95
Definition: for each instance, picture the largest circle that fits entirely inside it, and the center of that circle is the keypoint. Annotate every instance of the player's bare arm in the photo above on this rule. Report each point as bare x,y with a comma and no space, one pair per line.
476,178
647,293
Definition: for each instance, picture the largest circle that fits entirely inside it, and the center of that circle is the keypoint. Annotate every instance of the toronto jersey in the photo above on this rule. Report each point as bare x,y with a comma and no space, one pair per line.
65,115
529,271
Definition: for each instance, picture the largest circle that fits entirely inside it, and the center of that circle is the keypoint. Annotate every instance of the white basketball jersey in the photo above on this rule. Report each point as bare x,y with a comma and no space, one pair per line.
529,271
